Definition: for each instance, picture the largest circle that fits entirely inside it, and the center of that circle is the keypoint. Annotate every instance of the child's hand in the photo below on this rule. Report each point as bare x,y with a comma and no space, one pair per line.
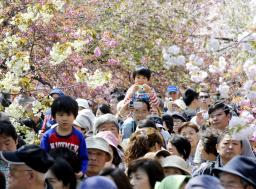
147,89
135,88
200,119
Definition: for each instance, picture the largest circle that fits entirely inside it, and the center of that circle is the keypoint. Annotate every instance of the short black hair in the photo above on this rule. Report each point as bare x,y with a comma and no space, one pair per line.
182,145
2,180
156,119
64,172
168,120
219,105
179,116
105,108
118,94
70,156
189,96
152,168
64,104
146,123
141,70
144,101
7,129
119,177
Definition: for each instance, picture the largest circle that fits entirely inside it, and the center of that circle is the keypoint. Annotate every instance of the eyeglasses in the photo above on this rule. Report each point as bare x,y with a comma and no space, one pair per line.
205,97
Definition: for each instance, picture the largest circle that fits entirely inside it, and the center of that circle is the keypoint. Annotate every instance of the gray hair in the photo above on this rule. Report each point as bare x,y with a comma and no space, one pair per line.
105,118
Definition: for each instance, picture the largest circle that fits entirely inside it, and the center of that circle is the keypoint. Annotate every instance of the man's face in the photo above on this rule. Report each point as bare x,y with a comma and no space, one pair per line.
229,148
141,111
19,177
173,95
54,181
113,104
176,124
231,181
97,161
7,143
109,127
64,119
219,119
204,99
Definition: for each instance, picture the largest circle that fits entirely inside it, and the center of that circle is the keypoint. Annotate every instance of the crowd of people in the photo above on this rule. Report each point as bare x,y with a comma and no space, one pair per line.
134,140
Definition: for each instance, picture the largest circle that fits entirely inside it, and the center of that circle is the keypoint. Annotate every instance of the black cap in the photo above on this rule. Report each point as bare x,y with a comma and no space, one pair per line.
244,167
32,155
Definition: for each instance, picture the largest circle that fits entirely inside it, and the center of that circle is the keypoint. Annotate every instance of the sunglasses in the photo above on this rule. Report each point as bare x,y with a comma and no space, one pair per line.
203,97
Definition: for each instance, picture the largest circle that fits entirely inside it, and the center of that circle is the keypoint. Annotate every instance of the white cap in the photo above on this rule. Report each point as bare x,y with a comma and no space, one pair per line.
83,103
177,162
180,103
85,119
99,143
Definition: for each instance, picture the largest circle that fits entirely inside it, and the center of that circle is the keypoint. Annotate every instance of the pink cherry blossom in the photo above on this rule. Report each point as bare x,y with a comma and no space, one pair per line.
97,52
112,61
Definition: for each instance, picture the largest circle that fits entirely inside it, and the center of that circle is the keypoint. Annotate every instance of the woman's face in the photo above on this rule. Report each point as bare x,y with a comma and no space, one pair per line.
54,182
176,124
168,171
172,149
140,180
190,134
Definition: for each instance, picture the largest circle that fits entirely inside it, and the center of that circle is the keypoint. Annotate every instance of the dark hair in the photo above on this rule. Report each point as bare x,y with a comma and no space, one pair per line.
28,122
2,181
152,168
64,104
222,136
141,70
119,177
167,119
209,140
146,123
144,101
7,129
219,105
188,124
64,172
182,145
156,119
189,96
116,156
179,116
105,109
118,94
5,99
21,142
68,155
